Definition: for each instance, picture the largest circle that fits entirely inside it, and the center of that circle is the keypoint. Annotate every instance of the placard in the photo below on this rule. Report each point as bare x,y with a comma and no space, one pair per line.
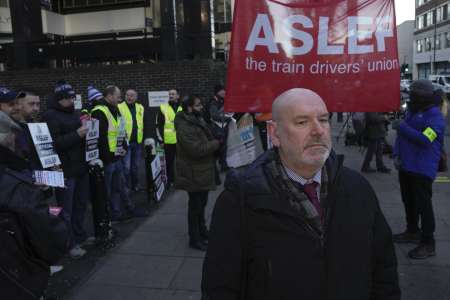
49,178
43,143
155,99
343,50
121,137
92,136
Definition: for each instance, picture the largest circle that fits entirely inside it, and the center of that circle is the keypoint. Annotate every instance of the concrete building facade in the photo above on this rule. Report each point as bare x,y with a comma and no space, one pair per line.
71,33
431,38
405,44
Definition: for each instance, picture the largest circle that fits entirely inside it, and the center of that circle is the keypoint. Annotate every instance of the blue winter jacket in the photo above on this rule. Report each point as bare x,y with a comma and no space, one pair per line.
419,142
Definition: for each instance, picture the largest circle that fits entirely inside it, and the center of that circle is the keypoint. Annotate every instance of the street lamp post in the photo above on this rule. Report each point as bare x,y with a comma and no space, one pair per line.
433,66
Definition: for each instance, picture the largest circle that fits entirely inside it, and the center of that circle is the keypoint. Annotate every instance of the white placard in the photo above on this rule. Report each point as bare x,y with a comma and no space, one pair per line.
121,137
160,192
44,144
49,178
92,136
155,99
156,167
93,126
78,103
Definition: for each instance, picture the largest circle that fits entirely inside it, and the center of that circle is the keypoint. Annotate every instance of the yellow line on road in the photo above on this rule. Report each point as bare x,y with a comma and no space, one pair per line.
442,179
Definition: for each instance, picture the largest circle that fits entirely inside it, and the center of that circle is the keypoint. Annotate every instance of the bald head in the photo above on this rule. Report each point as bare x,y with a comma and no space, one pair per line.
131,96
293,97
301,131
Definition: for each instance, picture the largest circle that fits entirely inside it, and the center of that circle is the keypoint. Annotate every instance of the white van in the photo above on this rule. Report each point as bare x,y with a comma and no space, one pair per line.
442,80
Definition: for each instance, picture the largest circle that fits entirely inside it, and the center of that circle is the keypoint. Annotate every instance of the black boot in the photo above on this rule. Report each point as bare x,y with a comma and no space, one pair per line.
423,251
407,237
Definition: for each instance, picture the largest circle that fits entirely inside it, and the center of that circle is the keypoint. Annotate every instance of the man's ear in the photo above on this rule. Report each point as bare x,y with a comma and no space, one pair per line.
272,128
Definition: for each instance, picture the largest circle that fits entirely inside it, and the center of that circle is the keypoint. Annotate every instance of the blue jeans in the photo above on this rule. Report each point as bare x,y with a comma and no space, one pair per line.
73,201
116,189
130,162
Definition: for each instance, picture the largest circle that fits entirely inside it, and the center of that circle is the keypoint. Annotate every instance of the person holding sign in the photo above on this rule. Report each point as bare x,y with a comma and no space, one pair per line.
133,115
112,147
297,224
166,131
417,153
195,166
27,111
69,139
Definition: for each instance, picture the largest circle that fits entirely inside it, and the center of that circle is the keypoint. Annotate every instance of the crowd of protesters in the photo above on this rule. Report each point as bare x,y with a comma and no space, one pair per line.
302,173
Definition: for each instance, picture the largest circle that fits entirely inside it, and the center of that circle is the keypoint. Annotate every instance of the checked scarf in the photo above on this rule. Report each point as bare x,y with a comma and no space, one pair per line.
298,200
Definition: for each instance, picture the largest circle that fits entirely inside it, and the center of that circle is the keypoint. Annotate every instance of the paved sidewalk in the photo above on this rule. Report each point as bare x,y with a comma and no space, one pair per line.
156,263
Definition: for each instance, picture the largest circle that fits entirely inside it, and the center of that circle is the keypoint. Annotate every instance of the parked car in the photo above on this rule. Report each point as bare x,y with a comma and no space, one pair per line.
443,80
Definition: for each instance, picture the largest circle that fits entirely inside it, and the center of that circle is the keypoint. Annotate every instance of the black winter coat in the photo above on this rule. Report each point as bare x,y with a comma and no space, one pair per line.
354,260
47,234
70,147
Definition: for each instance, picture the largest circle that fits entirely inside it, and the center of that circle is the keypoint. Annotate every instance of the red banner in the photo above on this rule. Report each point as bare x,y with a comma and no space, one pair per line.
344,50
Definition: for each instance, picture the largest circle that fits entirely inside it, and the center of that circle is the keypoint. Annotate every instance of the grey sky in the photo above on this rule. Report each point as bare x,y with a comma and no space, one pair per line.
404,10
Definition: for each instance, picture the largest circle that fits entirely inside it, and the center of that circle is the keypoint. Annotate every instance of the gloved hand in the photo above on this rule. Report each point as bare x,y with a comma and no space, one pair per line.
96,162
149,142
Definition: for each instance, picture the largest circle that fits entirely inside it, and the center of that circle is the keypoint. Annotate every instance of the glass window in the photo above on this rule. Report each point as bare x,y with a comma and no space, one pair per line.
4,3
447,39
85,3
445,12
439,14
419,48
424,20
428,44
437,42
430,18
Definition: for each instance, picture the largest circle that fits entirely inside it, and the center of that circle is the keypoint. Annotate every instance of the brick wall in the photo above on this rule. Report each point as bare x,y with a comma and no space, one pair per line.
197,77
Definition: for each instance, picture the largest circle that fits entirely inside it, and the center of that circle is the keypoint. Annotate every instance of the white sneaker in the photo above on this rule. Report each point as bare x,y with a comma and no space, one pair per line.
55,269
77,252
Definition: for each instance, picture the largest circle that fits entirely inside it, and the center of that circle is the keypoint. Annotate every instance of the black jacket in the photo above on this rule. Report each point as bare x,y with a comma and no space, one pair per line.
375,126
14,161
47,234
355,259
70,147
25,147
105,155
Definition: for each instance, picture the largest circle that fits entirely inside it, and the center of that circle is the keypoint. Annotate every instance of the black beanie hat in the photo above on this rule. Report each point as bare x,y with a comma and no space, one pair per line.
63,90
422,89
421,95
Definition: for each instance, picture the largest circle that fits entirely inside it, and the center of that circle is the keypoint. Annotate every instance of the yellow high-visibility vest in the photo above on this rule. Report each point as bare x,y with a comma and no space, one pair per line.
113,126
170,135
128,118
